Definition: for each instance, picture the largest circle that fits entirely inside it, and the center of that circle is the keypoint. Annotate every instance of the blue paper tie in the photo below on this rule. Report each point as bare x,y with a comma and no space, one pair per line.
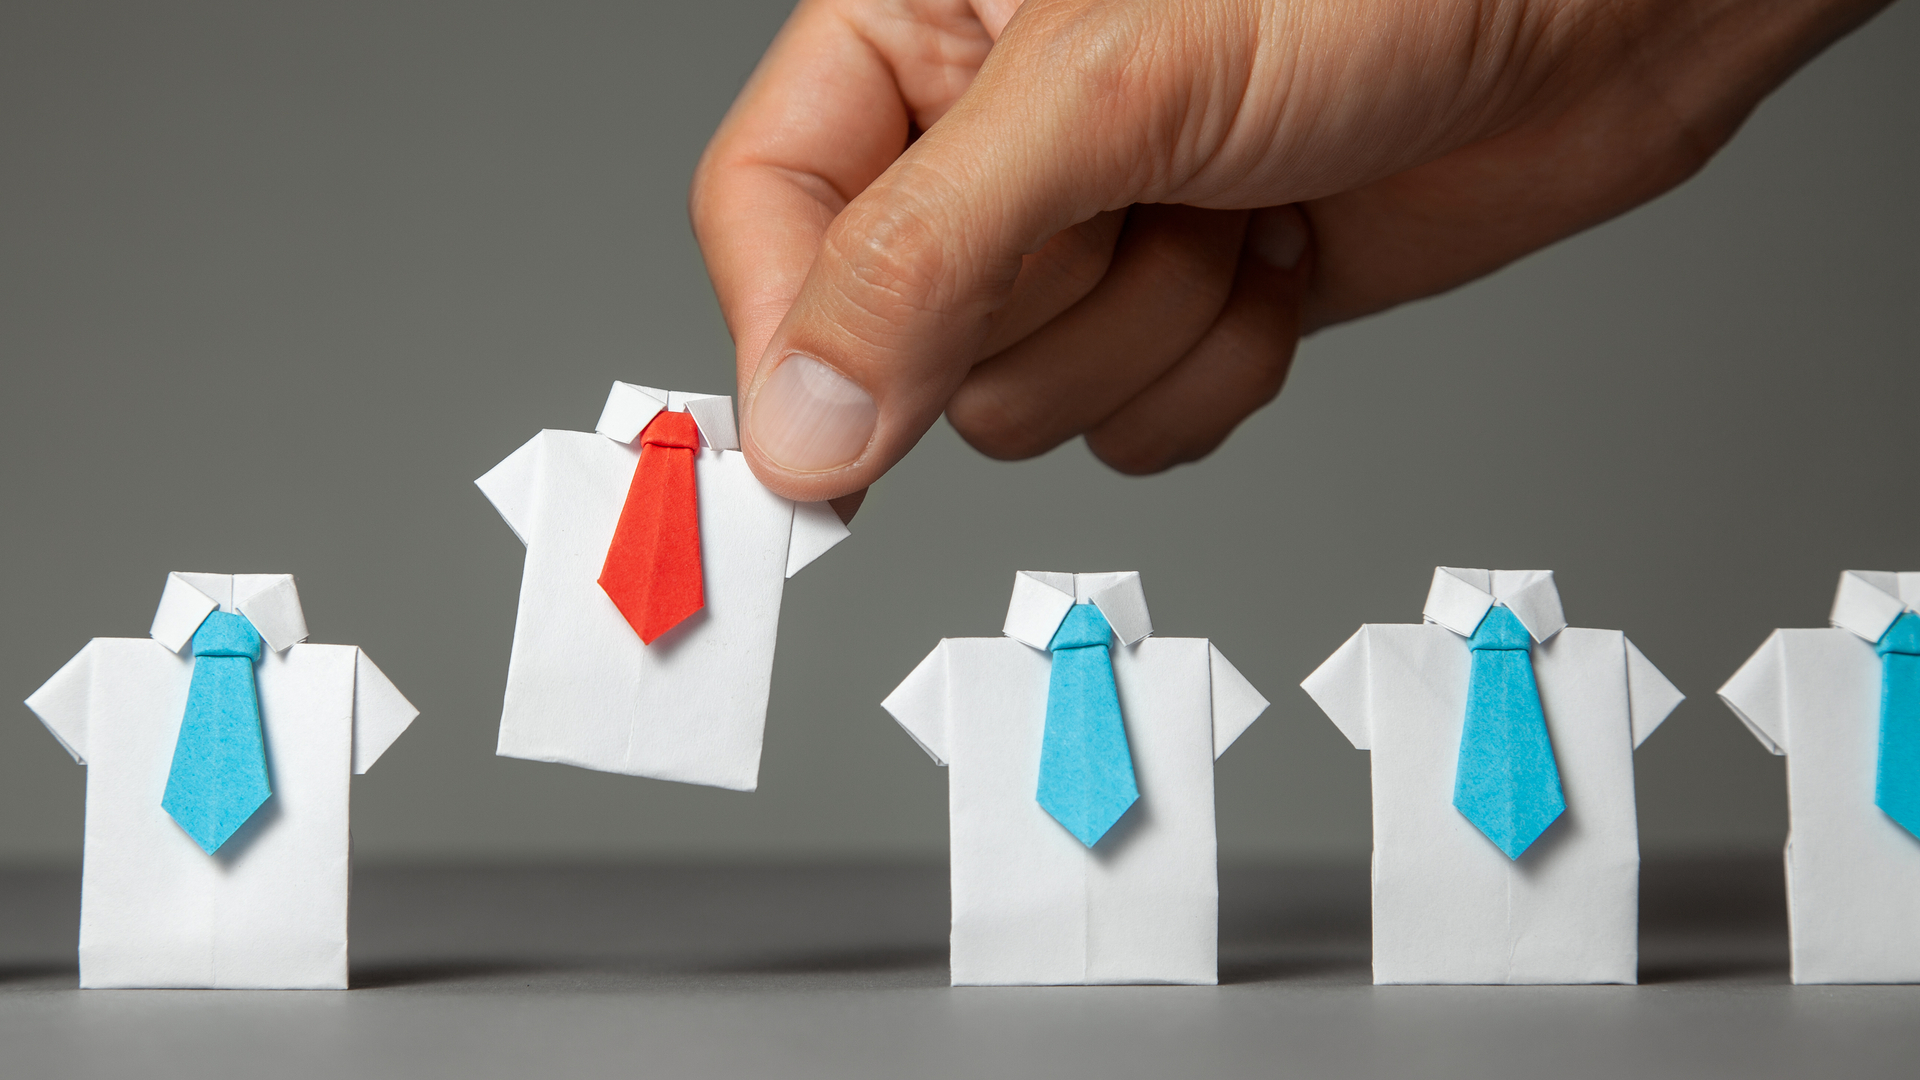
219,775
1086,769
1896,787
1506,782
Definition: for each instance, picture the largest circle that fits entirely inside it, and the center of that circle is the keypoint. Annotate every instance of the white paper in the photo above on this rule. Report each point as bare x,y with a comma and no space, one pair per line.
714,417
582,689
1236,704
1459,599
1449,906
1456,602
269,909
1031,904
1041,598
272,604
1853,874
816,529
1867,602
628,411
182,609
1037,607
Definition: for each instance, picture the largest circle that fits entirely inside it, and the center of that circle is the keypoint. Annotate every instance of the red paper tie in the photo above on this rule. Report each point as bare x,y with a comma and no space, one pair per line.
652,571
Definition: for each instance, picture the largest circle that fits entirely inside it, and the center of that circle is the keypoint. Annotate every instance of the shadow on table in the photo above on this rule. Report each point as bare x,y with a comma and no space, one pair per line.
430,973
1702,920
876,961
1291,969
13,974
1713,919
838,962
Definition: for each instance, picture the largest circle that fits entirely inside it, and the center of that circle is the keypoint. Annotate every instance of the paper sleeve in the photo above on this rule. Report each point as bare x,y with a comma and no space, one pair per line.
1236,704
1650,697
920,704
1339,687
1757,694
64,702
380,712
513,485
816,528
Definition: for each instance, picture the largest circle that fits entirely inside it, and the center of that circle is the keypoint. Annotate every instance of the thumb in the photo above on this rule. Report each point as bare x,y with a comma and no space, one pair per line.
910,277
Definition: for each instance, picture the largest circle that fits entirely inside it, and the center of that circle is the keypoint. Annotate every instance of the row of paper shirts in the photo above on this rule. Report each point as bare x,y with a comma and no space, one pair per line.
1032,902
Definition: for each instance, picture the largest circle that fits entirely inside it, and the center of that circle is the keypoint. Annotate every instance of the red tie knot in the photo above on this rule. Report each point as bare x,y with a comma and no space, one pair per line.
675,430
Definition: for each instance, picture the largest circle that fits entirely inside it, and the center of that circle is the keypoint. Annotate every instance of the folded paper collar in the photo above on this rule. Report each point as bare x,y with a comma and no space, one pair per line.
269,601
1868,601
1460,598
630,408
1042,598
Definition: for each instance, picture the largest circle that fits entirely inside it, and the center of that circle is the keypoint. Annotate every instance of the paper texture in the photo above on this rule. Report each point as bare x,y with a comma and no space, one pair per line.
1853,874
1448,906
1031,905
582,689
269,910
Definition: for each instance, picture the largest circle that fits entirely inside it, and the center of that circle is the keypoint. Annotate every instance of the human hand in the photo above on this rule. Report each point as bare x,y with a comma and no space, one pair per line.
1122,214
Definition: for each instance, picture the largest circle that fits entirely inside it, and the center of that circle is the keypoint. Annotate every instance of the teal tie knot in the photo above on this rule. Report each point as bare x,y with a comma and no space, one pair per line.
226,634
219,774
1902,637
1086,767
1500,629
1083,628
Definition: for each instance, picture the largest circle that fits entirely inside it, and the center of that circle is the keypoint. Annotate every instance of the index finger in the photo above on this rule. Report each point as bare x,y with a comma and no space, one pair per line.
820,118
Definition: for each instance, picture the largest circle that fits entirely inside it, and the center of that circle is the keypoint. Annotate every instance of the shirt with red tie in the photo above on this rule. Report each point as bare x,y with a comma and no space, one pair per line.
583,688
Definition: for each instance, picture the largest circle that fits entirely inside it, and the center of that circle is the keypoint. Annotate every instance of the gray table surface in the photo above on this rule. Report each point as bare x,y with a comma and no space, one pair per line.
827,971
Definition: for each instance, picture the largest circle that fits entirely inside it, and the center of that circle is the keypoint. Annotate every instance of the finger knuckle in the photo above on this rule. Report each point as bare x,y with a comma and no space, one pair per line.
1106,50
888,264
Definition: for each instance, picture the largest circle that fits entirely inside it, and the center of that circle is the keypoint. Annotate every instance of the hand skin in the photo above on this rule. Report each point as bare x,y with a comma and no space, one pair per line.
1115,218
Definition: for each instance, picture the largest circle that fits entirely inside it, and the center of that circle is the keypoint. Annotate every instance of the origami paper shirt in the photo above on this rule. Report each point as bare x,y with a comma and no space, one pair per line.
1031,903
269,909
582,688
1449,906
1853,873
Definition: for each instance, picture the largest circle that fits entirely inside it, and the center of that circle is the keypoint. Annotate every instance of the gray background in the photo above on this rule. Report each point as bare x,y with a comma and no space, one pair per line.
278,281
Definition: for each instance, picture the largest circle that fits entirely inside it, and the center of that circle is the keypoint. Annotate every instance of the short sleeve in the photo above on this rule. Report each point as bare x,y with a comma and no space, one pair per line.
1650,697
1236,704
64,703
1339,687
380,713
512,486
919,704
1757,694
816,529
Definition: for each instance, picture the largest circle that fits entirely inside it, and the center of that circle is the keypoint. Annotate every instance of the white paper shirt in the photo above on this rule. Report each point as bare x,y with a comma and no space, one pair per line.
269,909
1448,905
582,689
1853,874
1031,904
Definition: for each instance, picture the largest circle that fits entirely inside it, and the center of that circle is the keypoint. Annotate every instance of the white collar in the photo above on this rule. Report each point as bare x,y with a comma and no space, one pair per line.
1460,598
1868,601
1041,599
630,408
269,601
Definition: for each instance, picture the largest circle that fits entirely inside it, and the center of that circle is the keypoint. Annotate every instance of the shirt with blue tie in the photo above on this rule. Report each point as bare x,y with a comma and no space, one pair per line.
267,909
1819,697
1456,899
1068,866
